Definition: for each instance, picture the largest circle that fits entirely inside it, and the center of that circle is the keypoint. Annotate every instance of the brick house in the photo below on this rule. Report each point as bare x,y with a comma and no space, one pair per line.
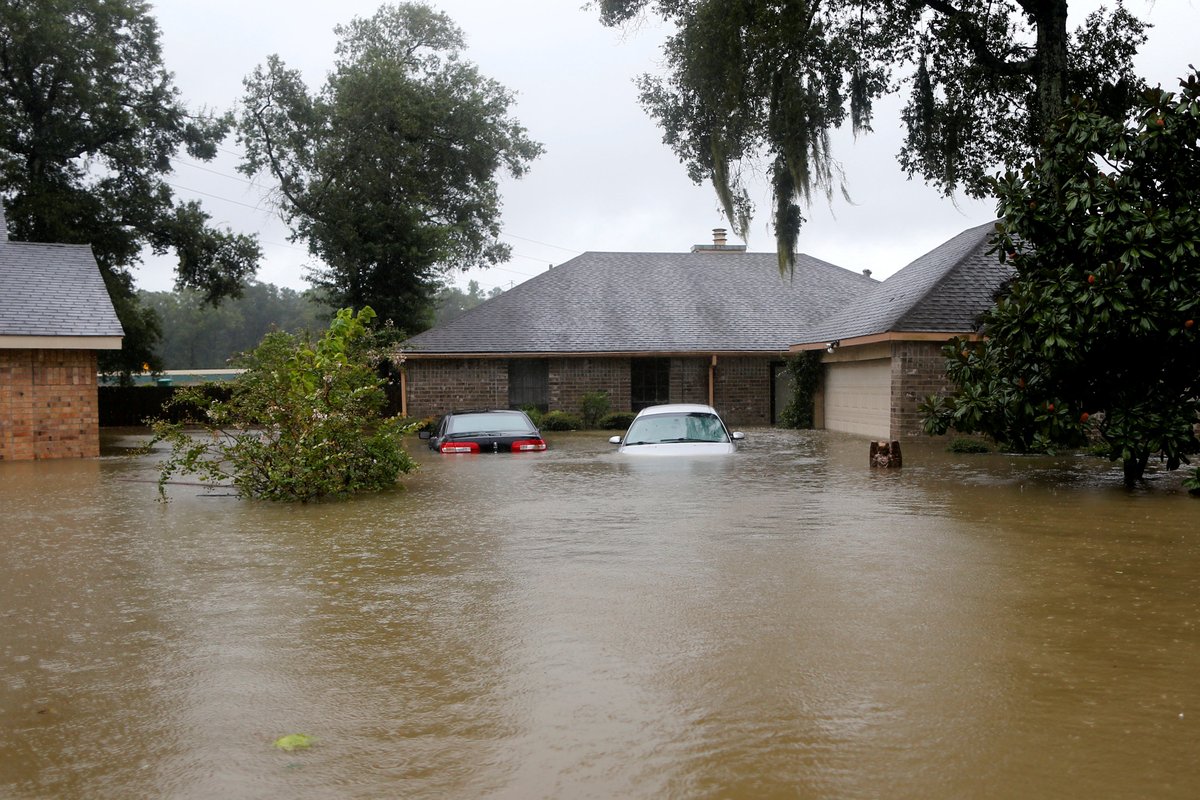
708,326
55,314
883,350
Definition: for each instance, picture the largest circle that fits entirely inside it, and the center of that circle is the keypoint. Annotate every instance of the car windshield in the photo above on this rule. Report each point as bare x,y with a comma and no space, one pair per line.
670,428
489,422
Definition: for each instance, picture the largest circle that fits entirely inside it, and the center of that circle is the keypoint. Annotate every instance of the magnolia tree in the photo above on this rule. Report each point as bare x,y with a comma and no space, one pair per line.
304,422
1097,331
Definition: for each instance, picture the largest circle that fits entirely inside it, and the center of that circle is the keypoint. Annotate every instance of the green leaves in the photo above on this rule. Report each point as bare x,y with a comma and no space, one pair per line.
88,129
1107,275
294,741
757,86
304,422
389,170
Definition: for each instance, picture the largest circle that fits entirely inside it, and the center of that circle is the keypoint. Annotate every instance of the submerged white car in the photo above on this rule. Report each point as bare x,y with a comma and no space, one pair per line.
678,429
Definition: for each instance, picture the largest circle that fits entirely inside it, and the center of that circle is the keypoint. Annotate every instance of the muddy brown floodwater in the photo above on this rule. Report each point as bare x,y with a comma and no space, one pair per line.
781,623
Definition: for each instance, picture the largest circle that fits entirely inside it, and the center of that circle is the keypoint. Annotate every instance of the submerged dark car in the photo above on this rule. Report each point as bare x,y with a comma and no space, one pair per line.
485,432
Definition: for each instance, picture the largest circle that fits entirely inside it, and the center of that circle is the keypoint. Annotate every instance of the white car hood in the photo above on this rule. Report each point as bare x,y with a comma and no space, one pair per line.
679,449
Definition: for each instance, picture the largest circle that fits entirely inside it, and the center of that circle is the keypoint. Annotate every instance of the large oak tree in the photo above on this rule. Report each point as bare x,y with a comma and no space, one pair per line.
750,81
89,122
388,171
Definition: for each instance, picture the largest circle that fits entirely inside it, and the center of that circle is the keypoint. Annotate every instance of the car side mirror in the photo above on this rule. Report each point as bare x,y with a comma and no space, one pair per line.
614,440
424,435
738,435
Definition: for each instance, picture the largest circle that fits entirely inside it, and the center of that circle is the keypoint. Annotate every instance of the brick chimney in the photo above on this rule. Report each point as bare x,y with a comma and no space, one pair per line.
3,225
718,245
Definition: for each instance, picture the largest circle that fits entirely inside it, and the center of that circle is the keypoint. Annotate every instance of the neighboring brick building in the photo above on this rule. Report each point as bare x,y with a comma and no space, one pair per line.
55,314
709,326
884,350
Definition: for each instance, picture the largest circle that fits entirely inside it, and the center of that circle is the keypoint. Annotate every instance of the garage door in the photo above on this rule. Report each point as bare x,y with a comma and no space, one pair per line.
858,397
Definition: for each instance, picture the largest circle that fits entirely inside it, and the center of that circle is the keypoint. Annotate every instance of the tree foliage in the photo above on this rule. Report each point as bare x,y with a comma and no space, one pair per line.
593,407
451,302
758,85
1098,328
804,369
198,335
389,171
304,422
89,122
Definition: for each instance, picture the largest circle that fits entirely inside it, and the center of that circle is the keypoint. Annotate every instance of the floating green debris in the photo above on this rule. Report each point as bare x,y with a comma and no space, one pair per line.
294,741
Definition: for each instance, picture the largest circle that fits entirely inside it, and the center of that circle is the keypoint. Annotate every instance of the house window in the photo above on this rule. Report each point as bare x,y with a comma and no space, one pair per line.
649,382
529,383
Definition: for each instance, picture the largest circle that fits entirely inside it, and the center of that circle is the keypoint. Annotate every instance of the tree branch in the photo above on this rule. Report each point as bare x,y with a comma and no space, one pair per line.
973,36
273,158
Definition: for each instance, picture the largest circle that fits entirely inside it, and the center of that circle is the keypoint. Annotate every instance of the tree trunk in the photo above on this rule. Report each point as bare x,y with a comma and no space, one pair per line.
1051,20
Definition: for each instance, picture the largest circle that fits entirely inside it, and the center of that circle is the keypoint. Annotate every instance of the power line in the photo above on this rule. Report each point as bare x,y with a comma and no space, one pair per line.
188,163
215,196
543,244
259,208
194,165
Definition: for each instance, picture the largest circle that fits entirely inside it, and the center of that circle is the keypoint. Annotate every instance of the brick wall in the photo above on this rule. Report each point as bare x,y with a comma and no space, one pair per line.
435,387
918,370
743,385
689,380
743,390
571,378
48,406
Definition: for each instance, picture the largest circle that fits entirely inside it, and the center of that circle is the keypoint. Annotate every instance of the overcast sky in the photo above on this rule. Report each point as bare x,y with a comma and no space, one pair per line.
606,182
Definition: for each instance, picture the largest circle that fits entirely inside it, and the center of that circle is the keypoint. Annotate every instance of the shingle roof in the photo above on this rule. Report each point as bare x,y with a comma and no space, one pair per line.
652,302
53,290
943,291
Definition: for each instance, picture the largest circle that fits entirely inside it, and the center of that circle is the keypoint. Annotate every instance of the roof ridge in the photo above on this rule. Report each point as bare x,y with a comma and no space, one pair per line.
671,301
949,271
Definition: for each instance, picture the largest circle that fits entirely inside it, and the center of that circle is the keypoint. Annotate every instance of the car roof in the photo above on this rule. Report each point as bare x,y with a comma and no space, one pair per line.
458,411
678,408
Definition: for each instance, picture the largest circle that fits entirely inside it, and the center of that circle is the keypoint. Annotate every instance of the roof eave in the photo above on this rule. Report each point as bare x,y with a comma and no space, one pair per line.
412,355
9,342
888,336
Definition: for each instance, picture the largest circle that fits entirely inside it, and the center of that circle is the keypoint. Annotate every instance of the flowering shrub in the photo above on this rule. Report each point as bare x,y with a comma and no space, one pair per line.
304,422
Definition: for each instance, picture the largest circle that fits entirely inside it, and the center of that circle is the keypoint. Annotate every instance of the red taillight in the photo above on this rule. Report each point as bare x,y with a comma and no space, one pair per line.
459,447
526,445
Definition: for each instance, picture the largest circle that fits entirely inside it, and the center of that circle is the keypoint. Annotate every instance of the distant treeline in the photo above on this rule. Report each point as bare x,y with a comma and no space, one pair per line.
198,336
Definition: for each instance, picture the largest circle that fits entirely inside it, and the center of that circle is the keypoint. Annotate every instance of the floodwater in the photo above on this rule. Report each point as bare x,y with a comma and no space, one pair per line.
782,623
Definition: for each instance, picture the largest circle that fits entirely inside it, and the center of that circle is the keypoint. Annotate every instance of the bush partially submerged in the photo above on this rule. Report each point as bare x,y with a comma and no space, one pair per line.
534,413
617,420
304,421
560,421
593,407
964,444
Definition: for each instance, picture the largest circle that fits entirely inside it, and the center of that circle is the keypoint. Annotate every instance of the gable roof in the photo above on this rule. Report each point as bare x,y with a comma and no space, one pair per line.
703,301
54,293
943,291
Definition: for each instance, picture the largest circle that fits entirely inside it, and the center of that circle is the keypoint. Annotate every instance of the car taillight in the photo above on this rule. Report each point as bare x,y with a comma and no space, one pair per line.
459,447
523,445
